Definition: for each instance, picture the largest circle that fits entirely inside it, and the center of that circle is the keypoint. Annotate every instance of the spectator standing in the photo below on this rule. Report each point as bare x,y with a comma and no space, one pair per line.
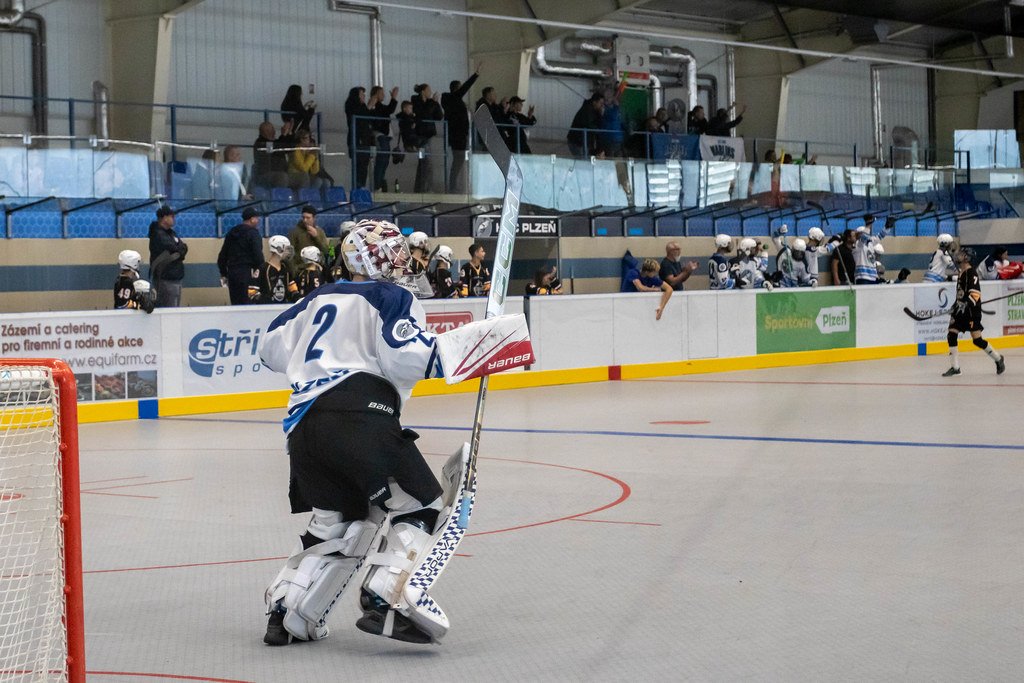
520,141
166,259
612,130
269,167
428,114
360,133
304,166
381,125
843,265
583,137
697,121
498,112
407,128
240,257
662,118
456,115
307,233
475,277
721,125
673,270
646,280
294,111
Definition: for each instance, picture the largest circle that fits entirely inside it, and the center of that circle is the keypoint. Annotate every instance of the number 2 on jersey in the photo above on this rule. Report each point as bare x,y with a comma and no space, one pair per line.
324,318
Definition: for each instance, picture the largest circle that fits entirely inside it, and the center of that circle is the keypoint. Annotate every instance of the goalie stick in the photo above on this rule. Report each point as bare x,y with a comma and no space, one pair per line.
922,317
502,156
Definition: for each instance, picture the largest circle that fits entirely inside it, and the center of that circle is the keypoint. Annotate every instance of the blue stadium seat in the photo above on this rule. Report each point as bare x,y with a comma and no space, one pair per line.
361,195
308,194
336,195
282,194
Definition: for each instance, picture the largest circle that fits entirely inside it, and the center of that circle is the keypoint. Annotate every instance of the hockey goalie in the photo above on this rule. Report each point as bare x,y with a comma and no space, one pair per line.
352,352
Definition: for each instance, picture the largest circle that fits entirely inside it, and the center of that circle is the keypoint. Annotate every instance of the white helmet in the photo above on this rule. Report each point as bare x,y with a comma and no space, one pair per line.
129,259
418,240
377,250
879,249
816,234
747,246
280,245
799,245
722,241
944,240
141,286
311,255
444,253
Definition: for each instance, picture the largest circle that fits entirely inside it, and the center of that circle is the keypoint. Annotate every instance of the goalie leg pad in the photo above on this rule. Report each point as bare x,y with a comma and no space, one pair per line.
313,580
411,558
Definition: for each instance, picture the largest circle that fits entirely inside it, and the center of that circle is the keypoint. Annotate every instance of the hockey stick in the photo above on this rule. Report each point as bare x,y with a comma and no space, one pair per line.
821,210
921,318
502,156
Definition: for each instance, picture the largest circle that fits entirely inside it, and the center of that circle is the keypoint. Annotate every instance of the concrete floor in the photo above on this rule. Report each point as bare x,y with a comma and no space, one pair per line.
857,521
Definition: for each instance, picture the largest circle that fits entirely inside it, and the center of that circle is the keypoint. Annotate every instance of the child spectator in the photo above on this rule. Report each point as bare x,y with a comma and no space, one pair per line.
475,278
545,281
312,274
129,290
275,284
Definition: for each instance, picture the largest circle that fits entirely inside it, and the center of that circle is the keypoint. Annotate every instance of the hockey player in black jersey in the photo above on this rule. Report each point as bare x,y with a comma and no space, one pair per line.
312,274
441,279
275,284
966,315
129,291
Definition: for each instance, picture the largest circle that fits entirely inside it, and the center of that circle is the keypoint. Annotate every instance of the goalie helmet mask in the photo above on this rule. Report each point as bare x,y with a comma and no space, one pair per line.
377,250
130,260
280,245
311,255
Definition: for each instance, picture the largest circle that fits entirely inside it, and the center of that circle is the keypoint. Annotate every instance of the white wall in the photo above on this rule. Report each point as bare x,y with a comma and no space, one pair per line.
245,53
831,101
73,63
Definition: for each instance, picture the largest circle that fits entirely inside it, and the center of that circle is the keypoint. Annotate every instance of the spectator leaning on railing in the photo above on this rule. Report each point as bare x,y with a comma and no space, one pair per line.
646,280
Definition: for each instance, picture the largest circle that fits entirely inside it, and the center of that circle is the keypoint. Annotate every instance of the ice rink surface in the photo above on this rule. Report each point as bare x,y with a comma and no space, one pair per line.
855,521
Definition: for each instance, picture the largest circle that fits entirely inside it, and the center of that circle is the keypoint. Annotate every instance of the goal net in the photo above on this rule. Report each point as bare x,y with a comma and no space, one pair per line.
41,632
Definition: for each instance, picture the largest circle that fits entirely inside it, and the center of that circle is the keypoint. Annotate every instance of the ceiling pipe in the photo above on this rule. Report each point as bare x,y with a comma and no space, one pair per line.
10,17
376,49
647,33
876,113
40,83
542,66
101,110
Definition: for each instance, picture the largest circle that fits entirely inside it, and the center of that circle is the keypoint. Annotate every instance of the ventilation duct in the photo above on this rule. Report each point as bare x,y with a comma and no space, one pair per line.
376,51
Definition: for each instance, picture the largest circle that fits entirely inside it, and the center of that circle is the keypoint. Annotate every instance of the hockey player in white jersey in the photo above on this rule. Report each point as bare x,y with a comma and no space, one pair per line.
990,266
352,352
793,261
751,271
942,268
865,272
721,274
817,246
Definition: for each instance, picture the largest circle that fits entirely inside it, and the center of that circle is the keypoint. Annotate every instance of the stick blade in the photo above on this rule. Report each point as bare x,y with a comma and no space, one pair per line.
914,315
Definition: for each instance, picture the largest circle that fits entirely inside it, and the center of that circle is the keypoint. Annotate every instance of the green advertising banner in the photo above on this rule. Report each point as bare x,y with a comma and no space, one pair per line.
806,321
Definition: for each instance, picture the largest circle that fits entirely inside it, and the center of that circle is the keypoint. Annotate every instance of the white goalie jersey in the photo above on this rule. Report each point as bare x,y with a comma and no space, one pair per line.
345,328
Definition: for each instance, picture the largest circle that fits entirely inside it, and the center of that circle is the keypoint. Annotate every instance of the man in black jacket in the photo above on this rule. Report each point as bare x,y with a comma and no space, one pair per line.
166,259
588,119
456,114
270,168
241,256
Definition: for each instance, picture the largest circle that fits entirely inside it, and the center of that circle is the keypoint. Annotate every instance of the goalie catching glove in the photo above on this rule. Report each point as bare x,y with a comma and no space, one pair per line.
485,347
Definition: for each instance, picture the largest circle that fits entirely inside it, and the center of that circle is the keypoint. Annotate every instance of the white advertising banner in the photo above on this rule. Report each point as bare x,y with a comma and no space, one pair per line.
220,347
1013,310
721,149
929,300
114,354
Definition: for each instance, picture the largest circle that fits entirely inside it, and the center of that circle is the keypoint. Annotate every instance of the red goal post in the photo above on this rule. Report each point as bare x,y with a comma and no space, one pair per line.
42,630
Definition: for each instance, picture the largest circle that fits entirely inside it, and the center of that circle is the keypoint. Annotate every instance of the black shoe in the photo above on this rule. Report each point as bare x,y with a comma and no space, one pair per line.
276,633
403,629
1000,366
952,372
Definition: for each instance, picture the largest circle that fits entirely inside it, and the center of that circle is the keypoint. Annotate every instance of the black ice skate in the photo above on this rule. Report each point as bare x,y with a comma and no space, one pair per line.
1000,366
952,372
276,633
375,616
